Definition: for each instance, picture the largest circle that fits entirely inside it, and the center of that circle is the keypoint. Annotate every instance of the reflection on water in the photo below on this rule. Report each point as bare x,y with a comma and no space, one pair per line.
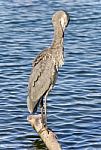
74,107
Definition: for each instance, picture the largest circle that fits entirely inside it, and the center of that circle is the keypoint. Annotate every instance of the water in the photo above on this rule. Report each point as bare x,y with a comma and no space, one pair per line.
74,105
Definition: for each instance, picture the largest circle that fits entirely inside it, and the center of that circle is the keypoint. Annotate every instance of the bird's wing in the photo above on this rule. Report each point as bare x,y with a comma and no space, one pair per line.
43,75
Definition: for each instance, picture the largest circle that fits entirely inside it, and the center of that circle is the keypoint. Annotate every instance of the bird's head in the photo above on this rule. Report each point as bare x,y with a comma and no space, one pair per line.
60,18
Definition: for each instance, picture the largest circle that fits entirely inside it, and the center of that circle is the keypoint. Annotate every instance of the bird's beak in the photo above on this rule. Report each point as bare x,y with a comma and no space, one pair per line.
68,21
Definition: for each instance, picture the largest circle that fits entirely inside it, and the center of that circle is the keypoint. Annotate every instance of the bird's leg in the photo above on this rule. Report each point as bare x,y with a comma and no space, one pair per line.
45,108
45,105
41,107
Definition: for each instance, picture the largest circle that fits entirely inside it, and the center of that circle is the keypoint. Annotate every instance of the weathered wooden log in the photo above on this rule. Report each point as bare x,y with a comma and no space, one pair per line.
48,137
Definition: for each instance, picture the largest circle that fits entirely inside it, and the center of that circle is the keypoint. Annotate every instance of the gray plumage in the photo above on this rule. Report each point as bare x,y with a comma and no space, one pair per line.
46,64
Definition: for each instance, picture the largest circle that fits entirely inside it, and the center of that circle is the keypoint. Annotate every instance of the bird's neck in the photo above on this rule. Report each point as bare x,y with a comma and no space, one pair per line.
58,37
57,46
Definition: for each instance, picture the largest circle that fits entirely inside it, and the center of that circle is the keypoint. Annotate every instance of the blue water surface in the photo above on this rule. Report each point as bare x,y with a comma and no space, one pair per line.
74,104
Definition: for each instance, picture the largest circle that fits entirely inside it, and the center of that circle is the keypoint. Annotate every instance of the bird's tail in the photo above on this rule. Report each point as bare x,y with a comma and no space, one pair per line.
31,105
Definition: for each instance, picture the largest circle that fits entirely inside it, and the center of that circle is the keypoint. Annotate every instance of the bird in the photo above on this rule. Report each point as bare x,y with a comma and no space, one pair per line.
45,67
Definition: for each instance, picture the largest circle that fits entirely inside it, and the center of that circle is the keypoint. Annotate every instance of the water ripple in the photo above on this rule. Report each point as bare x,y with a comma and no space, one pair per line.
74,107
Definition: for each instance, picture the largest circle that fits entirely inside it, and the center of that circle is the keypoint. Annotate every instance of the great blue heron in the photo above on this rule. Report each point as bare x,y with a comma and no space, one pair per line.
45,66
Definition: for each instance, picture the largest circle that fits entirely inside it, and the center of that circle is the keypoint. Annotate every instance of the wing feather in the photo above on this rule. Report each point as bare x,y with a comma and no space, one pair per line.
42,76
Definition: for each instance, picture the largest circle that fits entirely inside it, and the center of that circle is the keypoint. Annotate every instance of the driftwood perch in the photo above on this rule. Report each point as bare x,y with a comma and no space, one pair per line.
48,137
